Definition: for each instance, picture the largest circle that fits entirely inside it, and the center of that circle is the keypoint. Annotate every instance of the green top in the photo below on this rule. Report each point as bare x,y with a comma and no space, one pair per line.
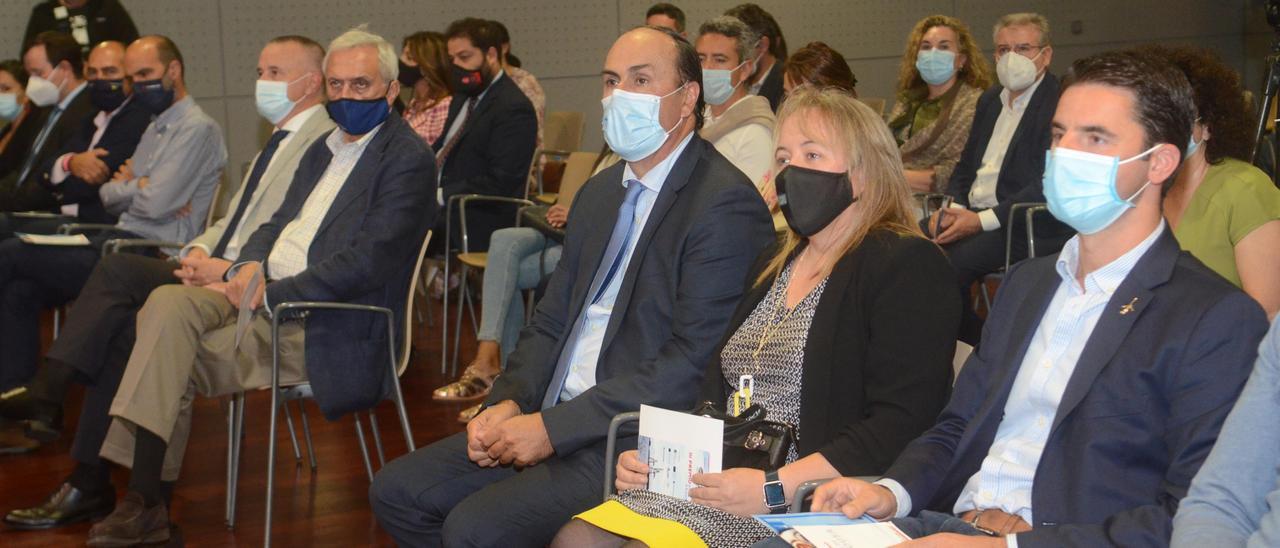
921,112
1234,199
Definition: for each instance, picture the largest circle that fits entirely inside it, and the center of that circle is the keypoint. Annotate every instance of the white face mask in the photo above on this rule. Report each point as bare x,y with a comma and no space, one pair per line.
1016,72
43,92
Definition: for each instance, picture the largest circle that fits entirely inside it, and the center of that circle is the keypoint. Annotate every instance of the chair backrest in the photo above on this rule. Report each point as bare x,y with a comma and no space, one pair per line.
407,343
963,350
876,103
562,130
576,172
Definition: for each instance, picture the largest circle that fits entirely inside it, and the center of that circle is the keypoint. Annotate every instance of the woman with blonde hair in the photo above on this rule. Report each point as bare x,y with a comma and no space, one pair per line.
424,68
943,73
847,328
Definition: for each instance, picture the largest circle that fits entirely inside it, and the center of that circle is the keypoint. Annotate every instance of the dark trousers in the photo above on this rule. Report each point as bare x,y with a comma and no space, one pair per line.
10,224
435,496
98,337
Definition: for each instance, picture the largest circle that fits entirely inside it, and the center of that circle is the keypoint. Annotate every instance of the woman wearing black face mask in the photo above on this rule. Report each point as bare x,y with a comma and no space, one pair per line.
424,69
847,328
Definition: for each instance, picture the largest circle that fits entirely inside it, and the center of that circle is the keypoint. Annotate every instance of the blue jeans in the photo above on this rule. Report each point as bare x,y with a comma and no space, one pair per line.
519,258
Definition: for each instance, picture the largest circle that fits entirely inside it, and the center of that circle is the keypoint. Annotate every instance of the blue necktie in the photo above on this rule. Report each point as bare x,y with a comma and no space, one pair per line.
623,228
39,144
259,167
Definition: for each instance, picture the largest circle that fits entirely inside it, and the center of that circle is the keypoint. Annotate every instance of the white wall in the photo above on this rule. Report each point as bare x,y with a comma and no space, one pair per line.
564,42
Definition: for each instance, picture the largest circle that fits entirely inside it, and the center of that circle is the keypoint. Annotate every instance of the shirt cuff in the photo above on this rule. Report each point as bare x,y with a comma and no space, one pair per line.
233,269
71,210
900,494
57,174
187,249
989,220
440,196
1011,541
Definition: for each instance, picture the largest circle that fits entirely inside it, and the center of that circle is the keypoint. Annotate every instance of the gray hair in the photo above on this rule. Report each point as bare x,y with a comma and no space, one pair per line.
732,27
1036,20
388,60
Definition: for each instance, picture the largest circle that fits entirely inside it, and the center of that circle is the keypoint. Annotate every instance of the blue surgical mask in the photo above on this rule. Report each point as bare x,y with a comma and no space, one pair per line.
152,96
272,99
936,66
9,106
717,84
1192,145
358,116
1080,188
632,127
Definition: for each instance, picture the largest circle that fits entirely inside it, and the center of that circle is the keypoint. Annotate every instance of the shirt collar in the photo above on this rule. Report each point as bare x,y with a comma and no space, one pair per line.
107,116
294,124
654,179
1021,102
496,77
710,118
62,105
1109,277
337,140
175,111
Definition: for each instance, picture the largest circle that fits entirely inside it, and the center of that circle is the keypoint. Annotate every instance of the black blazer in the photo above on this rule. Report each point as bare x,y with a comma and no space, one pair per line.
24,135
106,20
1022,173
363,253
1141,410
32,194
492,157
681,284
119,139
771,89
877,363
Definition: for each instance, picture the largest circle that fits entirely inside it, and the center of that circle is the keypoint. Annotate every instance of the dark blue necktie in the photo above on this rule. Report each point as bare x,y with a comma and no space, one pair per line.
259,167
38,144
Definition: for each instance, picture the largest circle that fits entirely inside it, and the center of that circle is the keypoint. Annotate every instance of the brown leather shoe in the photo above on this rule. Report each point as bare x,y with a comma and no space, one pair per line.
132,523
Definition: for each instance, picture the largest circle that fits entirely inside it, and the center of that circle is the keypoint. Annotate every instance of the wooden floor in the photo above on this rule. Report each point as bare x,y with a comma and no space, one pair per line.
326,508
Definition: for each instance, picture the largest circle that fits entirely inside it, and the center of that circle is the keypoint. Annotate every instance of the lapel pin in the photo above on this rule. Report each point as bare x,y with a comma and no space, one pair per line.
1128,307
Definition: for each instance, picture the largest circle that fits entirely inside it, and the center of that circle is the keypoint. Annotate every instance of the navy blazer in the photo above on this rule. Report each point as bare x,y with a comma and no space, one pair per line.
32,194
1022,173
684,279
363,253
1154,383
119,139
491,157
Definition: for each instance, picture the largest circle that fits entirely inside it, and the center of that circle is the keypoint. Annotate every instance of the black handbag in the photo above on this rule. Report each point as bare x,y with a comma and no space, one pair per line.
535,217
750,441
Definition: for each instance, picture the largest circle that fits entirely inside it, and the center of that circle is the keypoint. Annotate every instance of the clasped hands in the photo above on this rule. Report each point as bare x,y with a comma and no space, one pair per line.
502,435
202,269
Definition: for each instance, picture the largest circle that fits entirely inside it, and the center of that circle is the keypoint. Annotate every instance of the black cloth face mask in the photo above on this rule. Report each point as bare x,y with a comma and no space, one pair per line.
811,199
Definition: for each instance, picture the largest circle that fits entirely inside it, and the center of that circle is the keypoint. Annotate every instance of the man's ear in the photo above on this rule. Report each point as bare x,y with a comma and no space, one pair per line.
1164,162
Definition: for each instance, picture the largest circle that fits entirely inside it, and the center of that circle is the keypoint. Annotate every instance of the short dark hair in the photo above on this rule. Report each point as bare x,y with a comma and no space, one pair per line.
688,67
59,47
670,10
504,38
482,34
1164,104
312,46
1219,100
819,65
764,24
14,68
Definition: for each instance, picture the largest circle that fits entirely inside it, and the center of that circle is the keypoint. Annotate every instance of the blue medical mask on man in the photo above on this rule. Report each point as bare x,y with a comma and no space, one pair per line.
1080,188
272,99
717,84
632,123
936,66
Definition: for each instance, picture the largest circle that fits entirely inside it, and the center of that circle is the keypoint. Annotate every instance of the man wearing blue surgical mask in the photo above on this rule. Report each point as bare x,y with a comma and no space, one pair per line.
1105,371
739,124
656,250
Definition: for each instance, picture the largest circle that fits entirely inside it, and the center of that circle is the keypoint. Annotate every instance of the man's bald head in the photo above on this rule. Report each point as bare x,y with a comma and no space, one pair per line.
106,61
665,53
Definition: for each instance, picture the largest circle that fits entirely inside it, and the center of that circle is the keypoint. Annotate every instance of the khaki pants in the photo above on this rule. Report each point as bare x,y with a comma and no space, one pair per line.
185,346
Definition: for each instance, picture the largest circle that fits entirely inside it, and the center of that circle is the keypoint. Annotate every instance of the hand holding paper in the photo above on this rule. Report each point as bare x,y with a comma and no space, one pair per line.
676,446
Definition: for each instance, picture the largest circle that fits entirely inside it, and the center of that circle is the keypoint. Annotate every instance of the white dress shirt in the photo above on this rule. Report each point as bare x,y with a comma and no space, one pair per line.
1007,474
57,175
748,147
288,256
233,245
586,351
982,195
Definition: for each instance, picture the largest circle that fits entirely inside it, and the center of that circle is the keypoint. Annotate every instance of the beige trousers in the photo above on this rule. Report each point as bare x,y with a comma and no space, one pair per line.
186,345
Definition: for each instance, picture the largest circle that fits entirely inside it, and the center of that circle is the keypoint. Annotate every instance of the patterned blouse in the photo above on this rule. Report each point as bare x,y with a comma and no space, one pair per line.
931,134
427,121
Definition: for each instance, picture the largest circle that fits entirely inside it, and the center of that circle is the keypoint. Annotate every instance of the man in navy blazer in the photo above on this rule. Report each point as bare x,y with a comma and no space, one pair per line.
1003,163
1105,372
489,137
628,317
349,229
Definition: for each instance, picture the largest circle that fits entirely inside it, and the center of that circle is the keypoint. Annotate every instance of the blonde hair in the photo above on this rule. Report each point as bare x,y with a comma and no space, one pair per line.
975,71
1040,22
844,123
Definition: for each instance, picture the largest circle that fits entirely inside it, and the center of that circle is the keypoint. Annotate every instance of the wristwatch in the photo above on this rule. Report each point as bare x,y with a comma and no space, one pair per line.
775,497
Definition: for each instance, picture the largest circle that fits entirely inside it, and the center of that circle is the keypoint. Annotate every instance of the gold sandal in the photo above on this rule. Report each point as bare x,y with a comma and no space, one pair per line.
470,386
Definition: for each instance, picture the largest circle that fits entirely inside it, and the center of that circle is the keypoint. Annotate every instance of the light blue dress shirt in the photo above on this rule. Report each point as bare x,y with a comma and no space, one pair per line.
1235,499
1005,479
586,352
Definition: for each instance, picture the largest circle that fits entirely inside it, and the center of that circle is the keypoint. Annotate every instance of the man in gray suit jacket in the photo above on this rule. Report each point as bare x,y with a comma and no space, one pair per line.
99,332
630,316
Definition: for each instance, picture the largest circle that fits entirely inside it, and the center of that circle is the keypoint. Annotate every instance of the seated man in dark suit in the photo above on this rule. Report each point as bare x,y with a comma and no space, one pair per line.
630,316
1106,371
102,144
349,229
1002,163
100,328
489,136
57,86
